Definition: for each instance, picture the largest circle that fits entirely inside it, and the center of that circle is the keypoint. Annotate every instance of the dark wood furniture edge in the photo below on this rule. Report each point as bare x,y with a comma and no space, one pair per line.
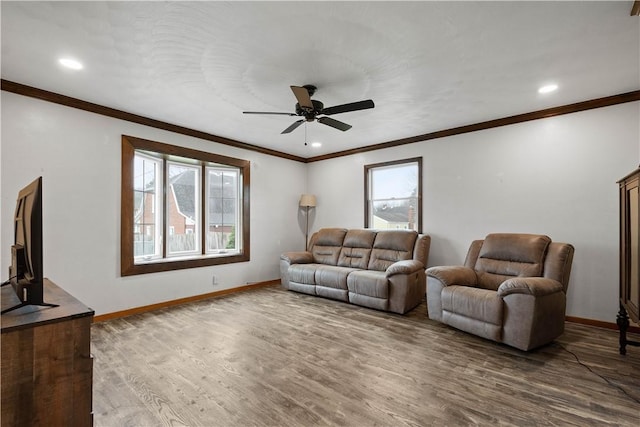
47,367
70,308
628,316
628,175
45,95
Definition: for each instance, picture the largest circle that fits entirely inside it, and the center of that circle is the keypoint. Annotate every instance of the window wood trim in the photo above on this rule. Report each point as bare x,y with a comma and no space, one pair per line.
367,168
127,266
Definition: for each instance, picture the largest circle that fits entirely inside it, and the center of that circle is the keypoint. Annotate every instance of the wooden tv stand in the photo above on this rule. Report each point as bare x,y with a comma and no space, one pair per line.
47,369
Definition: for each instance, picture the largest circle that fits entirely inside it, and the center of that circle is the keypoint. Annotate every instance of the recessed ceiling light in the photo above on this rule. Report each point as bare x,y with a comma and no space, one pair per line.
548,88
71,63
316,144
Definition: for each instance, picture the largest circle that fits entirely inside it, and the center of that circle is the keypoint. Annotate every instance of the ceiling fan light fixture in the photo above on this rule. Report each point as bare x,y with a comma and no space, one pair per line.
310,109
71,63
316,144
548,88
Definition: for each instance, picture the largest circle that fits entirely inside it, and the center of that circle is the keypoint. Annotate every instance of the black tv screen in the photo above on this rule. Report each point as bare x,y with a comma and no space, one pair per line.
25,273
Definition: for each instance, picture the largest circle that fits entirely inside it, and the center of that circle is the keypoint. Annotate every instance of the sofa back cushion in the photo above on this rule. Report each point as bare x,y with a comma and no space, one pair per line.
505,255
356,248
326,245
391,246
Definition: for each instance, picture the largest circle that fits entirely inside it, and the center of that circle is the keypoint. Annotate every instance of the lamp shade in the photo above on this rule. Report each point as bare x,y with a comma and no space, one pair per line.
307,200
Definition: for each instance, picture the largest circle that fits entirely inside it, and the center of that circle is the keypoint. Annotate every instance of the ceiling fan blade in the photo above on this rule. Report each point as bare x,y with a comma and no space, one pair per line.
353,106
269,112
302,95
334,123
292,127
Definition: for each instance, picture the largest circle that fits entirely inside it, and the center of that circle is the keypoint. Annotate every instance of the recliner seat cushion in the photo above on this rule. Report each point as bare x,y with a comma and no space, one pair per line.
474,310
303,273
371,283
332,276
475,303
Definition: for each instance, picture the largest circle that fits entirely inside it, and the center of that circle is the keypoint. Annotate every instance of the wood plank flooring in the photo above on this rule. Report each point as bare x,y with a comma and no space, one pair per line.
270,357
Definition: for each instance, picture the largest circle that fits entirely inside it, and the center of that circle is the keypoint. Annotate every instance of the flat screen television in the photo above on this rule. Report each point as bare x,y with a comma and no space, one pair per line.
25,273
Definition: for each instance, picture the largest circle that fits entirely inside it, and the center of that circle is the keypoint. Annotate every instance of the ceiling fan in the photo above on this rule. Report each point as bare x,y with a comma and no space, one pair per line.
310,109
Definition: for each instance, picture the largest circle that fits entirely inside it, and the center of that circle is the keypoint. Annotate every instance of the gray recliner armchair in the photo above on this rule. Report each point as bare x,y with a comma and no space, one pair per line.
511,289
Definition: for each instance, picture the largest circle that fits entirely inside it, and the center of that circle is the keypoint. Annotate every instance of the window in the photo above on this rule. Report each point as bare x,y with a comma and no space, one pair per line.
181,208
393,195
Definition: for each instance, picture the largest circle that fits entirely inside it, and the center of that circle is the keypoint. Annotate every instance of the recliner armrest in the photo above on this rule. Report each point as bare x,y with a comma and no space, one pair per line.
454,275
297,257
536,286
404,267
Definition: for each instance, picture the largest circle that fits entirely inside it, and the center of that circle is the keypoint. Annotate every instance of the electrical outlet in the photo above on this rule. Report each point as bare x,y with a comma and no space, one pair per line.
214,280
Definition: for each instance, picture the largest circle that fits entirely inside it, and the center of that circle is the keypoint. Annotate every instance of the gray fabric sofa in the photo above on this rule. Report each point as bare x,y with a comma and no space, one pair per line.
511,289
382,269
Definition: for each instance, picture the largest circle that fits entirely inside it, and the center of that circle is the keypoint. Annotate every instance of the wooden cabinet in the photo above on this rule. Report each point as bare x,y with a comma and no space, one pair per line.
629,256
47,369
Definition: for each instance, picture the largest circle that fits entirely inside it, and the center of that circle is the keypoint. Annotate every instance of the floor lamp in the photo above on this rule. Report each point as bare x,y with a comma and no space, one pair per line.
307,201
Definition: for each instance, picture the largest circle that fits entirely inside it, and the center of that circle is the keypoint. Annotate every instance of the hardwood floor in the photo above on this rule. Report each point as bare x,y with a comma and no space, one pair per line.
270,357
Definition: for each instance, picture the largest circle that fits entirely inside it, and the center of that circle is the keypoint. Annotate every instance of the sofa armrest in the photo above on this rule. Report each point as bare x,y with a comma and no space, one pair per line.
297,257
408,266
454,275
536,286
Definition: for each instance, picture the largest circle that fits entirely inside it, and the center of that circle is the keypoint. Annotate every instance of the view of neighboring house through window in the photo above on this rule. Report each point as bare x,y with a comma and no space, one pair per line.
223,208
393,195
147,194
184,208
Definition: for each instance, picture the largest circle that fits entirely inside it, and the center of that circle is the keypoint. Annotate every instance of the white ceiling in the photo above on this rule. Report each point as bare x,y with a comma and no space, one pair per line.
428,66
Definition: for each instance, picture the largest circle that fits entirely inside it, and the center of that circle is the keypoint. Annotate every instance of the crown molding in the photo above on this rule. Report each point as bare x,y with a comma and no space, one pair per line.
68,101
56,98
505,121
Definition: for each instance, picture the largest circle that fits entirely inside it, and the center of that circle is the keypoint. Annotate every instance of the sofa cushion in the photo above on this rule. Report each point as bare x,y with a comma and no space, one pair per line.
354,257
390,246
327,244
332,276
303,273
503,256
371,283
356,249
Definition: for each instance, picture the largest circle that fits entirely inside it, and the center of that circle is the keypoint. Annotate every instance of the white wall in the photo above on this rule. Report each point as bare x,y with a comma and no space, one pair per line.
78,155
555,176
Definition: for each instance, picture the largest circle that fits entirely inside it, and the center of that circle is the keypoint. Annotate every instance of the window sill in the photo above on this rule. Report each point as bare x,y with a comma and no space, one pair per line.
179,263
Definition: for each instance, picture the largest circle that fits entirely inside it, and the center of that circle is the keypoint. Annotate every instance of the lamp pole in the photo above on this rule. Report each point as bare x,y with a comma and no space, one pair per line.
307,201
306,234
